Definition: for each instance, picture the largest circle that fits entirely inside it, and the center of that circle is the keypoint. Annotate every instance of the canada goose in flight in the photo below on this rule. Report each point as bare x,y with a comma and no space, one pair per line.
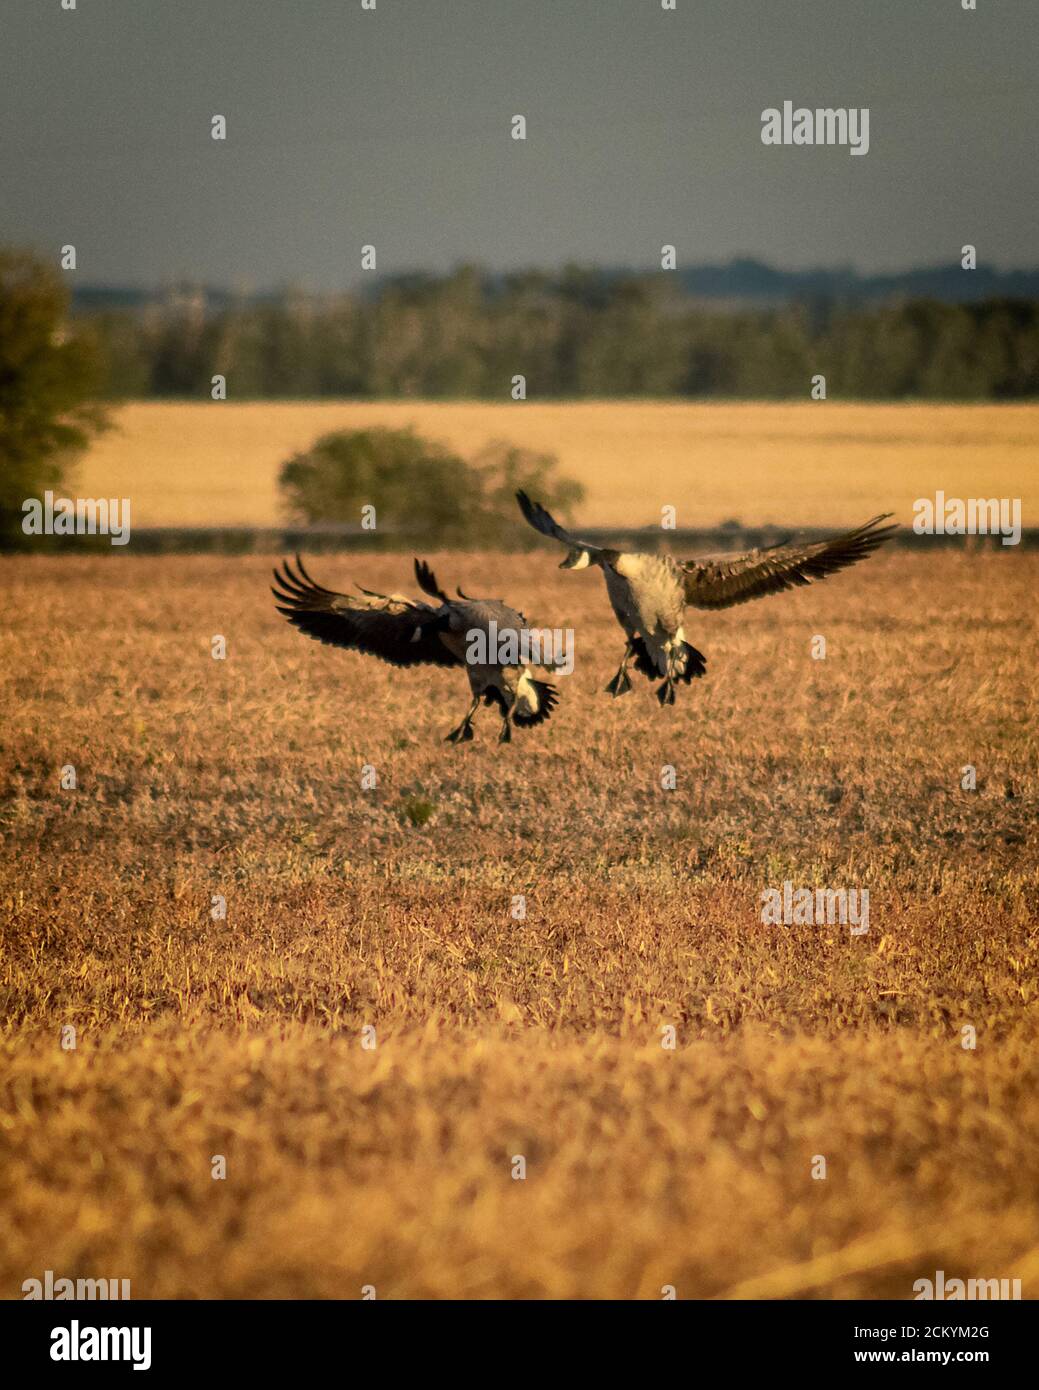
649,593
408,632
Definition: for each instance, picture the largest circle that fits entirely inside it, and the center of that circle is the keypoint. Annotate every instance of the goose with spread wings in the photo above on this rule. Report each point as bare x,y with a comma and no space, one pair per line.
411,632
649,593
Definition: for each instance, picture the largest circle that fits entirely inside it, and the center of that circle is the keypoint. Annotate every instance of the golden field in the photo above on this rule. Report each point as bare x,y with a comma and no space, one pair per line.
809,464
392,1167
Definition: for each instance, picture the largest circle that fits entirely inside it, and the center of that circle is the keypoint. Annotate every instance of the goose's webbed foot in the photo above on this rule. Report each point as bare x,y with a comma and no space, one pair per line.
666,692
621,683
464,732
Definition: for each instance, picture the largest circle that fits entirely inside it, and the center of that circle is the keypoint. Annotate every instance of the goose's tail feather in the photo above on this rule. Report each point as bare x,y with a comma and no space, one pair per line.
689,663
535,701
686,661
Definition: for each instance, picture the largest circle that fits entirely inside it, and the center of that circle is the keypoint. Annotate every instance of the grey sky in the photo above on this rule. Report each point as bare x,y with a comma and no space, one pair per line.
392,127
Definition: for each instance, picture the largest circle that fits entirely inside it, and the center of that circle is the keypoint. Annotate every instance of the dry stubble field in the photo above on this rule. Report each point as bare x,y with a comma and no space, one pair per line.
392,1167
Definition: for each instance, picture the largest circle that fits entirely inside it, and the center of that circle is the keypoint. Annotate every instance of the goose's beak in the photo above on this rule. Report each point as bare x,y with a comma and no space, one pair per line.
576,560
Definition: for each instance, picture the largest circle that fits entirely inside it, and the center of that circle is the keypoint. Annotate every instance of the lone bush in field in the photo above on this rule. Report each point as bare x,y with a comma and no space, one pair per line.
422,492
48,377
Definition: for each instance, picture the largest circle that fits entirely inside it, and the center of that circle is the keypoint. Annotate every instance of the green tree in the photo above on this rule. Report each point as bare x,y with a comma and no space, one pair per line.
49,376
422,492
499,471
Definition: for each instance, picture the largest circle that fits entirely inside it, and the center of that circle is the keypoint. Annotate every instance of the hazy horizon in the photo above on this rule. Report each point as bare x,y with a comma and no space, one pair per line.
360,281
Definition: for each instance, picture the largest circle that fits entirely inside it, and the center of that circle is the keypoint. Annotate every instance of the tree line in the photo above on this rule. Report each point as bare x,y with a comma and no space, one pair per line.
578,333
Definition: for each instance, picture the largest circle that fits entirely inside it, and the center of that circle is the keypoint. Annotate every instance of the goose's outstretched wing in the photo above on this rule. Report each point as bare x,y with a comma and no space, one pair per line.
545,522
738,578
402,631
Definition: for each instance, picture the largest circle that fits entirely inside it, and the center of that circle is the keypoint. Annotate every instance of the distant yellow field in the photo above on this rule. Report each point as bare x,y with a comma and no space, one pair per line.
810,463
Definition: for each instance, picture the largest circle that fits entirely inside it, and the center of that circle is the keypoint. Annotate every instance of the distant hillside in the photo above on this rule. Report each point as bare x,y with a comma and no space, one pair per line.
750,281
740,282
